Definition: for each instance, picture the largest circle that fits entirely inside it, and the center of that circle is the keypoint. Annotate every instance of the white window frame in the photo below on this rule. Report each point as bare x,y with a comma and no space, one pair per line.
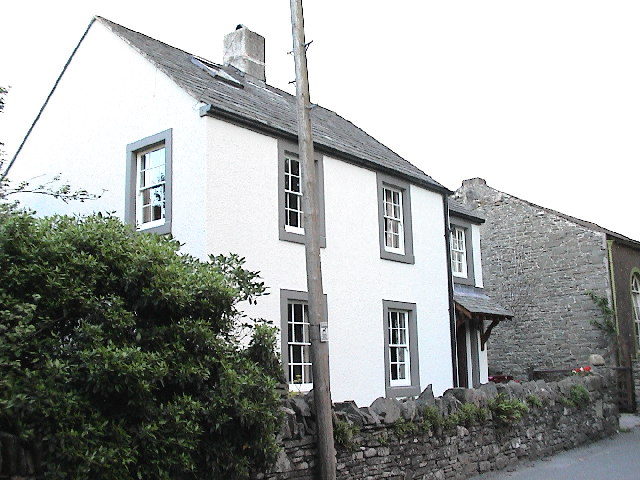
291,192
132,207
141,188
635,301
395,212
459,252
304,380
393,217
409,385
288,299
400,363
286,232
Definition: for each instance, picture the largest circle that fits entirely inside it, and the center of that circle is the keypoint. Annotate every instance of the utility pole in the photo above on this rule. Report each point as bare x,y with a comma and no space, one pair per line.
319,344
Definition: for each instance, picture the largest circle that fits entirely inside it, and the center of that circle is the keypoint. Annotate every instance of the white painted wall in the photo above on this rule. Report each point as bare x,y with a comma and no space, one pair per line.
225,199
484,362
477,255
244,219
109,97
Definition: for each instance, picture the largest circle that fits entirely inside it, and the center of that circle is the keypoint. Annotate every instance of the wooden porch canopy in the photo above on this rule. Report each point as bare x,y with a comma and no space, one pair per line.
478,309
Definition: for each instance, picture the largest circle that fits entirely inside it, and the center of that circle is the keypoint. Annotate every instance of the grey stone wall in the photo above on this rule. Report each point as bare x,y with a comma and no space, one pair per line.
391,439
539,264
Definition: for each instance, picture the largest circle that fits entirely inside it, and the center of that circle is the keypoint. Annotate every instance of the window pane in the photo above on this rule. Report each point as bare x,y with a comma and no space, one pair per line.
308,378
298,333
155,158
296,354
295,167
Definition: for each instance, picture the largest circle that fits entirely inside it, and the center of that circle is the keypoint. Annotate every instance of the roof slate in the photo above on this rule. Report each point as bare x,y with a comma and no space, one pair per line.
457,209
481,304
268,108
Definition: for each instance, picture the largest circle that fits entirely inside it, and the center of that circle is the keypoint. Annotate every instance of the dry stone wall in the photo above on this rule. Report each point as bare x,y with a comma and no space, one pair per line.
395,439
539,264
427,438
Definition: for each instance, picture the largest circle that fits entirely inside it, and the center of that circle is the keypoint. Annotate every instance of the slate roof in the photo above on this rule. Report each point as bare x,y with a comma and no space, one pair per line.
457,209
477,302
257,105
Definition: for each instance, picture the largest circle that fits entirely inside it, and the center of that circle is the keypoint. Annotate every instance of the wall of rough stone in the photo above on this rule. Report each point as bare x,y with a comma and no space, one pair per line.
390,439
393,439
540,265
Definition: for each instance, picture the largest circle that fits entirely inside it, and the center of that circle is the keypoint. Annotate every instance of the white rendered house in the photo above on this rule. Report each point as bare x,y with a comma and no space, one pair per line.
208,153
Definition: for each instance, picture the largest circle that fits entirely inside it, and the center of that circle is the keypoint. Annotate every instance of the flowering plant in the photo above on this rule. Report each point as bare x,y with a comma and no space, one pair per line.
582,371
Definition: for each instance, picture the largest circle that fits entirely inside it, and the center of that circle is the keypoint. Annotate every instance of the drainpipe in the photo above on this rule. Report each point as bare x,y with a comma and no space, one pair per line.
452,317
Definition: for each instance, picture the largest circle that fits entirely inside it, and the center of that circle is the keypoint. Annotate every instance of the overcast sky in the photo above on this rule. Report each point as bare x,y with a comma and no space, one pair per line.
540,98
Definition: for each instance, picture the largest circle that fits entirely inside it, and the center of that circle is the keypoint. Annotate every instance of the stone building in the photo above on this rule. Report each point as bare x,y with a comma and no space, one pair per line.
542,265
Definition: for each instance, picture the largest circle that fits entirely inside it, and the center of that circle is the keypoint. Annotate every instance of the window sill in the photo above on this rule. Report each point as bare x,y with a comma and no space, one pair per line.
397,257
157,228
408,391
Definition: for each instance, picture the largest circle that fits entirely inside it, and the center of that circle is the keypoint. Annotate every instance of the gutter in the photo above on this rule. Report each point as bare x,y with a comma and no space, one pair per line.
216,112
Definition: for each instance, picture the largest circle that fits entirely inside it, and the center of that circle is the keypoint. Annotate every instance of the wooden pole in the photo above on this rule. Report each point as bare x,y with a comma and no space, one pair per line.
319,348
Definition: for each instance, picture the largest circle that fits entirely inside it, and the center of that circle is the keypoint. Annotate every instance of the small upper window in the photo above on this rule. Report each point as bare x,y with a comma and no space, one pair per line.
152,176
291,192
461,251
635,299
293,218
394,219
458,252
148,192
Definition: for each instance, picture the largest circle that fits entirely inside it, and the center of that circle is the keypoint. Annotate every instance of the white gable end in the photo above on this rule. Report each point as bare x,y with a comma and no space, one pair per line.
109,97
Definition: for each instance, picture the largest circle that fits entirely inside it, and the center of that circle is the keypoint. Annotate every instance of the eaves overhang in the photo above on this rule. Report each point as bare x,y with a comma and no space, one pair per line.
261,127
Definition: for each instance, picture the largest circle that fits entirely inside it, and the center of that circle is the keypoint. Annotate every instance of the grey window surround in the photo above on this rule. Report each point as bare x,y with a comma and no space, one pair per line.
285,297
414,388
130,198
466,226
404,187
283,147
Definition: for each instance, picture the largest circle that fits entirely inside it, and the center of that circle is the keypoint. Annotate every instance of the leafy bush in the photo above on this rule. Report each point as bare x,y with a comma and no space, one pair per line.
120,357
578,397
403,428
343,433
470,414
507,411
432,419
534,400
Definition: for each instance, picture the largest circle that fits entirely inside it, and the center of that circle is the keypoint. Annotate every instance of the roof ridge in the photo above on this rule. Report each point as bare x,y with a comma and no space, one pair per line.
332,132
570,218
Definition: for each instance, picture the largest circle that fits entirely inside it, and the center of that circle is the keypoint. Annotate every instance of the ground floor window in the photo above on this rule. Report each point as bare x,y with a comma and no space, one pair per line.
299,344
295,339
401,349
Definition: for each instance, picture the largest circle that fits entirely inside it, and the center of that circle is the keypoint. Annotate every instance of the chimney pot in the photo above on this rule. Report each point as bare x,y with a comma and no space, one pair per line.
244,50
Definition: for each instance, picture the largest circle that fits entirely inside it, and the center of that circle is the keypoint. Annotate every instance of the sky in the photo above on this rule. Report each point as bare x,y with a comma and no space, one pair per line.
540,98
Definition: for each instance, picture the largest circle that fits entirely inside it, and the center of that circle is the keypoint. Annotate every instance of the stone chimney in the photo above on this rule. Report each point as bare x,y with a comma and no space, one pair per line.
244,50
